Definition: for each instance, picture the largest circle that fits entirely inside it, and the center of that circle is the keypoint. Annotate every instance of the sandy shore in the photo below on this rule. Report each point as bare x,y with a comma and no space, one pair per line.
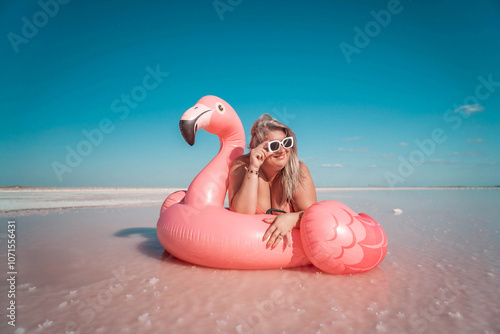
102,270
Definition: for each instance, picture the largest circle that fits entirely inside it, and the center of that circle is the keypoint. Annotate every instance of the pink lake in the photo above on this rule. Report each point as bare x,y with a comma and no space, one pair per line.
102,270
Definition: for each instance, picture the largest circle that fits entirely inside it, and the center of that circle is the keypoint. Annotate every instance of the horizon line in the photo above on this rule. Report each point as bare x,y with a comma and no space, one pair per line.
3,188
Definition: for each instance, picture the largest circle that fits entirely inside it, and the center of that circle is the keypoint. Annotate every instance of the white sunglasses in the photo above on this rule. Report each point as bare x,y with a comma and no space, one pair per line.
274,145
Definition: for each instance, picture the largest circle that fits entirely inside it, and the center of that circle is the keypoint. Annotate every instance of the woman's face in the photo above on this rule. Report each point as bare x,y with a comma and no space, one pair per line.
279,158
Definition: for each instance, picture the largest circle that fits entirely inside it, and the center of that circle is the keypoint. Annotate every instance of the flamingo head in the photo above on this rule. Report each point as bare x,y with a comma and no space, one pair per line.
211,114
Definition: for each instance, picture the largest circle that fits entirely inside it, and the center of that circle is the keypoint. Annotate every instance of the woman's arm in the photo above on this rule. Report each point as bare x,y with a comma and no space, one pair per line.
282,225
244,180
242,188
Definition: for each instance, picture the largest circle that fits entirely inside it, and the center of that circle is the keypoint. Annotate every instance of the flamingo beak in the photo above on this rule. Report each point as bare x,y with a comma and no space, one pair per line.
187,130
193,119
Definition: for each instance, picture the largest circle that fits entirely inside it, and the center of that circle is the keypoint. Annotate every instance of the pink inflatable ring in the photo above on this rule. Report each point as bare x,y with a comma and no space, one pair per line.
195,227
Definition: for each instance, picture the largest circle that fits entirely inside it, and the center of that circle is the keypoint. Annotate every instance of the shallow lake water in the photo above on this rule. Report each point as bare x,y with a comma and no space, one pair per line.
102,270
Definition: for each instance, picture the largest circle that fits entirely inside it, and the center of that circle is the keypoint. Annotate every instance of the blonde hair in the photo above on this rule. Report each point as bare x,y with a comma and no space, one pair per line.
290,174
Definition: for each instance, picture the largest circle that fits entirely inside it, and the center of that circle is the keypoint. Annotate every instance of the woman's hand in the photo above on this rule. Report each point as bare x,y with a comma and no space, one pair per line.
258,155
281,228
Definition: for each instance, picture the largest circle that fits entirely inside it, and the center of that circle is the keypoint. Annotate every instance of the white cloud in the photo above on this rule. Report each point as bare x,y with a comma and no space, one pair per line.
404,144
372,166
362,149
442,161
475,140
465,154
351,138
469,109
332,165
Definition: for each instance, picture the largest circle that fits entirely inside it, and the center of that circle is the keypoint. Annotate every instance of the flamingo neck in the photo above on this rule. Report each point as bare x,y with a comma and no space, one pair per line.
210,185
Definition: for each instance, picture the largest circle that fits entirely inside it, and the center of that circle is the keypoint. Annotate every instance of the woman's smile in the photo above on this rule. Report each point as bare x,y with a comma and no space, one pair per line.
280,156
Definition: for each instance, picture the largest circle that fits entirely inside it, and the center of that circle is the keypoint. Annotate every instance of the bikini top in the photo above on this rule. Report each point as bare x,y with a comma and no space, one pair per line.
271,210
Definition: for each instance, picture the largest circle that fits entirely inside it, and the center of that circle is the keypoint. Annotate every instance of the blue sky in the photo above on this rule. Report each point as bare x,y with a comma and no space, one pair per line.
380,93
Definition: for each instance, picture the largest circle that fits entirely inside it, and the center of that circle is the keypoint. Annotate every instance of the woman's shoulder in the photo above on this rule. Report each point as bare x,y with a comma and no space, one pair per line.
242,160
303,168
305,195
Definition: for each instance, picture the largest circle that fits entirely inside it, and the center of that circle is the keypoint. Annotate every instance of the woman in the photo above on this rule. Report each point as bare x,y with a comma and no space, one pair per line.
272,179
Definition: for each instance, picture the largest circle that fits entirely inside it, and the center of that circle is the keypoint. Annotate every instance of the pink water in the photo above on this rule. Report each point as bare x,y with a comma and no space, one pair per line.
103,271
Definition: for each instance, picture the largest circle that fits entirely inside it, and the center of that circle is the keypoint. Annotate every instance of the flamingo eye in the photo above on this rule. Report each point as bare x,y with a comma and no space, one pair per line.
220,107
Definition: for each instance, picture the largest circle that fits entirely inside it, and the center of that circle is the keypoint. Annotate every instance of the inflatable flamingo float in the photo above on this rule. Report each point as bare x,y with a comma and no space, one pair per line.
195,227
